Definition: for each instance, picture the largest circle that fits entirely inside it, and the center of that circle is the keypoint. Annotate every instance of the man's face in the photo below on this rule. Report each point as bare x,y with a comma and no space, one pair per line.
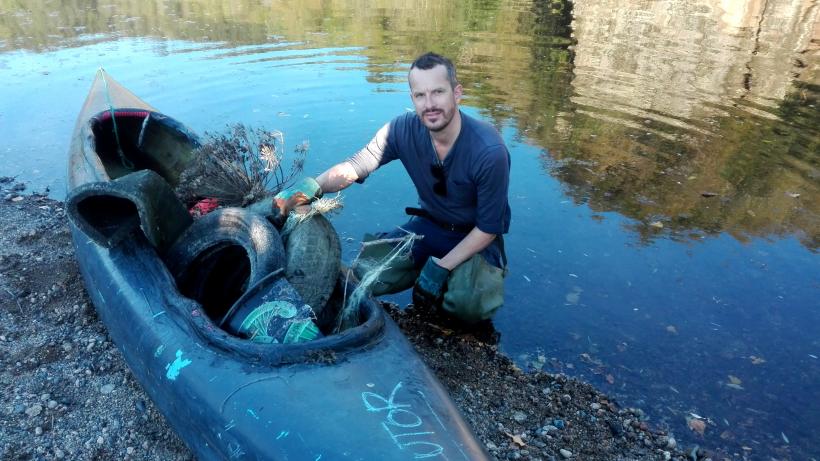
436,102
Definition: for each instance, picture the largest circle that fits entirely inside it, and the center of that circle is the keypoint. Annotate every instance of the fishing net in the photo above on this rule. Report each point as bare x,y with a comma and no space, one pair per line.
349,315
323,206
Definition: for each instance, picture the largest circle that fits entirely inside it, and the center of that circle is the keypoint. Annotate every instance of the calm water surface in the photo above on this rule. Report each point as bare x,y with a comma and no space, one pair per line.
665,182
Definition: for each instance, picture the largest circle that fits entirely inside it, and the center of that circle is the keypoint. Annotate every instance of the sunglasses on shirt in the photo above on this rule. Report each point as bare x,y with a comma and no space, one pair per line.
440,186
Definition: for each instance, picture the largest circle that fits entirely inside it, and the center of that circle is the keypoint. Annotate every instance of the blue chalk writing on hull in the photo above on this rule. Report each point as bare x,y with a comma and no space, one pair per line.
398,418
172,369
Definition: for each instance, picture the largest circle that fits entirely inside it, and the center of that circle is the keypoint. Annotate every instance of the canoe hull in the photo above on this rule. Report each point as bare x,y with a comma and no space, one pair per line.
363,394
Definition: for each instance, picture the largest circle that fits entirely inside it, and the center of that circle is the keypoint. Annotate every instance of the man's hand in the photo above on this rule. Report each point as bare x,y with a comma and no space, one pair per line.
304,192
429,286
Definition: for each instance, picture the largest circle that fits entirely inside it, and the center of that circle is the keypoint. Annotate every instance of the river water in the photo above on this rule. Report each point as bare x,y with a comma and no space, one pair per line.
665,171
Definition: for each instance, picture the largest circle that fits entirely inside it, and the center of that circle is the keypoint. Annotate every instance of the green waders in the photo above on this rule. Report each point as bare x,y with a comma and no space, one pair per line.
474,291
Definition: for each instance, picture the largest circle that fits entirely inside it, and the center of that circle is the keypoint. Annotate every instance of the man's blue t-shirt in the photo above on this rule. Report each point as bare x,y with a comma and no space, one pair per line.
477,171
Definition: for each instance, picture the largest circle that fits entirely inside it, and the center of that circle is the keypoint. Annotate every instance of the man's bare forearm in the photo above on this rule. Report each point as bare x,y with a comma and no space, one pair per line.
471,244
337,177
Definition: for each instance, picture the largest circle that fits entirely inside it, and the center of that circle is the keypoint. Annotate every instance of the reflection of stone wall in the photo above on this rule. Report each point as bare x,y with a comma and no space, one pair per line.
651,59
679,102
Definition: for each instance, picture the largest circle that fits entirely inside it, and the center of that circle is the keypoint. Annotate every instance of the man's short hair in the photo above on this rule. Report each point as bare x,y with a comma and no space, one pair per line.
429,60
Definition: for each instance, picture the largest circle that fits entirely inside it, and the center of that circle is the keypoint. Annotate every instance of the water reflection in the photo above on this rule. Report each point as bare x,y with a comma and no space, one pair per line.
681,121
695,117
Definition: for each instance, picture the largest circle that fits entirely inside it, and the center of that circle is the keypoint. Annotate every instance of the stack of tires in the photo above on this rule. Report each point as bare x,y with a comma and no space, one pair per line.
254,283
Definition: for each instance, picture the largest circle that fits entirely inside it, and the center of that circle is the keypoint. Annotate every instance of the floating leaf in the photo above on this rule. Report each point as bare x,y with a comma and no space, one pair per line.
696,425
757,360
656,224
735,380
672,329
516,439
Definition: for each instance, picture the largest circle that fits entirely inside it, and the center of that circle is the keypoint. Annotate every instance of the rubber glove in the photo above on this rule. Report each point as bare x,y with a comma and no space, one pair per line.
429,287
303,192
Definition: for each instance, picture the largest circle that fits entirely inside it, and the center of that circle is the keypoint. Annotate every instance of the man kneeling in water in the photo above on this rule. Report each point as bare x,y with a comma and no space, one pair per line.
461,169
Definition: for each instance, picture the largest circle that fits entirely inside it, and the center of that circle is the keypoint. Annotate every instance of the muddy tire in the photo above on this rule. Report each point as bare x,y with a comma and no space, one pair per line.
222,254
313,253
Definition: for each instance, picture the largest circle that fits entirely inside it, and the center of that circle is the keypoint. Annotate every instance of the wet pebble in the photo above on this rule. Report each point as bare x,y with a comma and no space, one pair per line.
520,416
615,428
595,406
566,454
34,410
107,389
550,428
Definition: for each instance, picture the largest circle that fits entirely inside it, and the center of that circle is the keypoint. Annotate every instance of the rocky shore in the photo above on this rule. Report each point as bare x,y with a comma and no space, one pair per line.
67,393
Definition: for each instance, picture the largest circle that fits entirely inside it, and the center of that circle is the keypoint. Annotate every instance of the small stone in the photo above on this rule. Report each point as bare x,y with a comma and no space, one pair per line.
3,338
59,454
129,450
34,410
17,199
566,398
52,404
38,430
100,440
107,389
667,456
520,416
595,406
550,428
566,454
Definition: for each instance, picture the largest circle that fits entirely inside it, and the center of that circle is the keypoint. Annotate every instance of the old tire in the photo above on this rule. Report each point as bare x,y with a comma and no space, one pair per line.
222,254
313,253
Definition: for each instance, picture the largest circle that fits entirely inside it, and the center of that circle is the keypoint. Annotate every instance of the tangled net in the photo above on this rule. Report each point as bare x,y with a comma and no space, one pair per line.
323,206
349,315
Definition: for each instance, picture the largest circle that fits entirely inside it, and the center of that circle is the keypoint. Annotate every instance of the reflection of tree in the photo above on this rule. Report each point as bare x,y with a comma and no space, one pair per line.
645,108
